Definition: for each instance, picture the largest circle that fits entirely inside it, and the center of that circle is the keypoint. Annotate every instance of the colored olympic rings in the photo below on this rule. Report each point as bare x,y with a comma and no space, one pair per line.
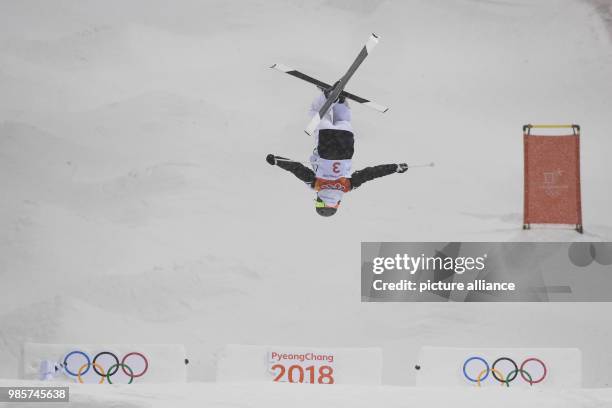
507,381
116,367
108,353
501,380
134,353
539,380
71,354
530,381
99,369
493,370
499,376
81,372
487,370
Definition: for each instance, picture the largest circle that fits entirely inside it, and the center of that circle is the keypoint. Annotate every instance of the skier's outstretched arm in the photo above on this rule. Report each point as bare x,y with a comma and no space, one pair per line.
370,173
298,169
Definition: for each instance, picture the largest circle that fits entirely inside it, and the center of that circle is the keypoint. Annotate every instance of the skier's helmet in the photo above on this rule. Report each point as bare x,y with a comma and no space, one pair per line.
325,210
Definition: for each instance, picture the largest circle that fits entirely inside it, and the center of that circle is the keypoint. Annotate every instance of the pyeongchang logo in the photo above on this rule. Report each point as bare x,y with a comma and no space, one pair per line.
336,186
412,264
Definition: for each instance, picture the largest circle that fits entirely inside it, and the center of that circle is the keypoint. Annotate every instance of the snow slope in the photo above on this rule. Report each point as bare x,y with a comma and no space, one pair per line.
135,198
283,395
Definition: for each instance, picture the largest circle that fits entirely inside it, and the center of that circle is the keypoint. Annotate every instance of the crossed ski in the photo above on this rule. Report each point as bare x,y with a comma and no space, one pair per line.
339,88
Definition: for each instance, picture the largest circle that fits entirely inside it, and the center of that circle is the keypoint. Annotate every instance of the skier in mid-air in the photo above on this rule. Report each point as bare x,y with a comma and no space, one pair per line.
331,160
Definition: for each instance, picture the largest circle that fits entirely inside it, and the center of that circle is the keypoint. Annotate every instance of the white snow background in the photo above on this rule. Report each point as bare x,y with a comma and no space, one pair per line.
136,205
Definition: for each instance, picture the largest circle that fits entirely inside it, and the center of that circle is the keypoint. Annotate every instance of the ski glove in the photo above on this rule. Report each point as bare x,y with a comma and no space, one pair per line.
402,168
271,159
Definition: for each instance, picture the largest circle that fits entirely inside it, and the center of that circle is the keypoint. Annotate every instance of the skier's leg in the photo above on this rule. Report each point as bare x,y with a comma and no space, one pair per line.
315,106
342,116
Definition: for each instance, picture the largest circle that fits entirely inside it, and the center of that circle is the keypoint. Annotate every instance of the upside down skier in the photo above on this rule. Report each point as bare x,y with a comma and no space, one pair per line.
331,160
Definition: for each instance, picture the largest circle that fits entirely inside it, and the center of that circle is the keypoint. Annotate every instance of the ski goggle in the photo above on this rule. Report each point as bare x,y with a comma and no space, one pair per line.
321,204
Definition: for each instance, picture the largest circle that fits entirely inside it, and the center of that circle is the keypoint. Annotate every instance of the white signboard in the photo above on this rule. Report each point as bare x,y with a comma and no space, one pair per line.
305,365
104,363
499,367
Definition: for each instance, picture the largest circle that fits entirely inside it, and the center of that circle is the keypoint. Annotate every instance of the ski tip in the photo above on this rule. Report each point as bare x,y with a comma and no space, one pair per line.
281,67
376,107
372,42
310,130
312,126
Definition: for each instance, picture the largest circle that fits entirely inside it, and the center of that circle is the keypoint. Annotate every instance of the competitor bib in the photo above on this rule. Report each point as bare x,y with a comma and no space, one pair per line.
333,169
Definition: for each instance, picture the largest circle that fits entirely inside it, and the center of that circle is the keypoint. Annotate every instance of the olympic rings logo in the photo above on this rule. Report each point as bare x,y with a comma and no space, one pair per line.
99,369
499,376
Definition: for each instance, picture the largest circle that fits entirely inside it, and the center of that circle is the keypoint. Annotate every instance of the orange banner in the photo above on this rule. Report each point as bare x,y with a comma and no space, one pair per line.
552,180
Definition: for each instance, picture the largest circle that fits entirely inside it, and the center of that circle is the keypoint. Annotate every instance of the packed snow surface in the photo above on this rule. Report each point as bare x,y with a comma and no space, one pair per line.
302,395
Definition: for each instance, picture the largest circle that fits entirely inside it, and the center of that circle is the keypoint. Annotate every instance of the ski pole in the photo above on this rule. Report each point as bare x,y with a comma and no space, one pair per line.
410,166
293,161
